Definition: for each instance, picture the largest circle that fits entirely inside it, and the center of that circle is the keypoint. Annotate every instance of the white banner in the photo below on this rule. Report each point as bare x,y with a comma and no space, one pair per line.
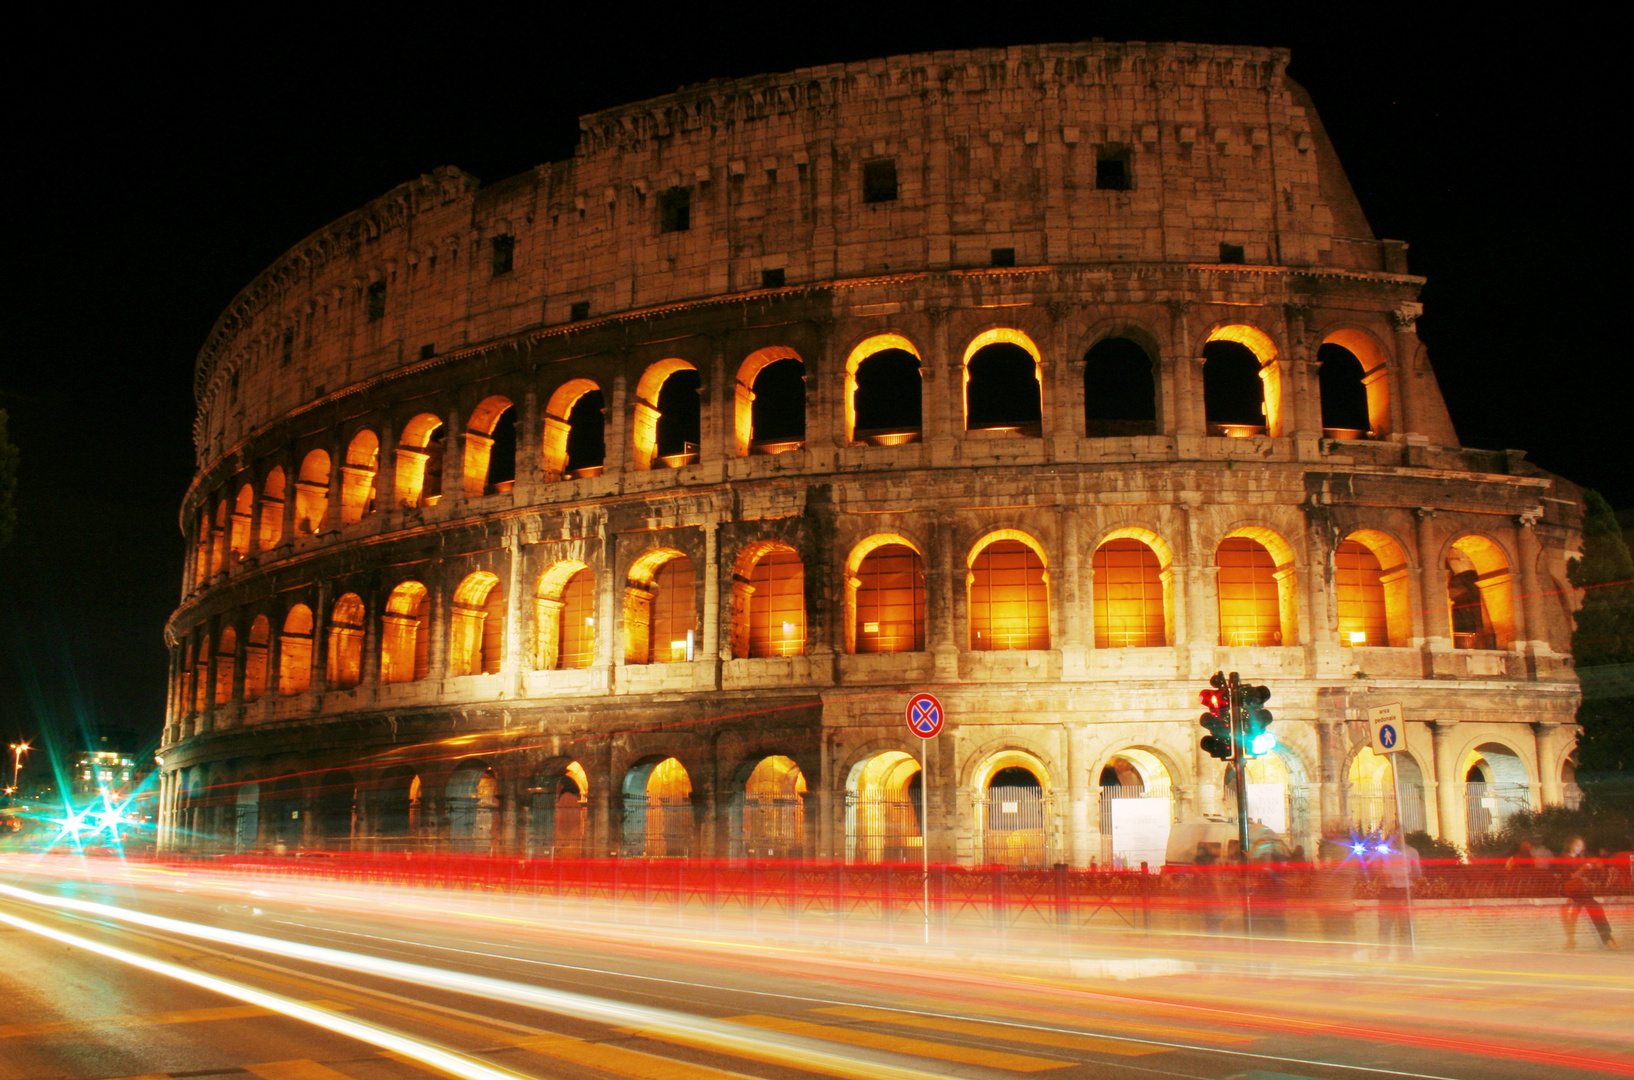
1268,805
1140,831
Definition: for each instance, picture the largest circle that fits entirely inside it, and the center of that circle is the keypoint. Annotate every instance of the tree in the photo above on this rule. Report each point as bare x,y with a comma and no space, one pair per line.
1603,642
9,456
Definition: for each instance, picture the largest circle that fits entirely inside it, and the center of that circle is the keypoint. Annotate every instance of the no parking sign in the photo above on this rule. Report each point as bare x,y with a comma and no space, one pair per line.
925,716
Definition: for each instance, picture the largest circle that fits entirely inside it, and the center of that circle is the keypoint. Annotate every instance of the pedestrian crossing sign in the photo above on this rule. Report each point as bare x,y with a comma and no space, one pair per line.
1389,729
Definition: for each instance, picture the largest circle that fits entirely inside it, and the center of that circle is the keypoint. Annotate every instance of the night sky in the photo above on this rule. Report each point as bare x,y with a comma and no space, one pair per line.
154,169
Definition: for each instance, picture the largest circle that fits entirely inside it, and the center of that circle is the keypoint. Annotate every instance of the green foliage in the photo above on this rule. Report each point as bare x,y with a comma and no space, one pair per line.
1431,849
1603,643
9,456
1600,827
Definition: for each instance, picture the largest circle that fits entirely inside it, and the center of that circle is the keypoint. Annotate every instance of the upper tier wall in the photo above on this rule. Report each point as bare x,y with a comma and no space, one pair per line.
993,149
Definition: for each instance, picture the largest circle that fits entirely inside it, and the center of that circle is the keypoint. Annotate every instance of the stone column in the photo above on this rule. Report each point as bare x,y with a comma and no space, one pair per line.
385,471
1331,732
940,571
1405,321
368,684
1080,833
529,449
616,433
1449,815
1529,550
511,665
1072,597
1551,791
437,632
1432,583
710,651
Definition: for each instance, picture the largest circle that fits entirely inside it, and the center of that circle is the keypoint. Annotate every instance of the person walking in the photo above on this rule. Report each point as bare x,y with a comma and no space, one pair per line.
1398,867
1583,874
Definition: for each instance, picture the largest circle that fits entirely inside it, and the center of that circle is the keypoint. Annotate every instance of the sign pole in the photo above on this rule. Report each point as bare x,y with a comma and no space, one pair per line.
1401,831
924,832
1389,728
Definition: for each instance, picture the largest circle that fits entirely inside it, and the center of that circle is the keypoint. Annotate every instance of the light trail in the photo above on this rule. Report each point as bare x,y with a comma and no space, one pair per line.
442,1059
793,1050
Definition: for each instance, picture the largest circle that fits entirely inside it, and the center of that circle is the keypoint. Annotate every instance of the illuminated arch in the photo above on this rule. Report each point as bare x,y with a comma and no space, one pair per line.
226,657
1016,822
644,422
657,819
255,658
660,609
272,510
885,595
564,617
312,493
420,462
1249,612
344,667
1497,782
883,805
480,431
1376,373
404,644
243,511
1264,349
1003,336
756,362
1372,592
295,652
1007,592
769,820
1134,590
476,639
357,491
768,601
864,349
1480,586
559,426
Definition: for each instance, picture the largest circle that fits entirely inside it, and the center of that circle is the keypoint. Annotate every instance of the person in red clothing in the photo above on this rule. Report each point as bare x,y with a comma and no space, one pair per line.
1583,874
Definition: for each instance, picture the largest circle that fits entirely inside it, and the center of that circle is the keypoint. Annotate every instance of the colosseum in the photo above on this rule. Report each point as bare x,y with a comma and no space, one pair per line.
621,506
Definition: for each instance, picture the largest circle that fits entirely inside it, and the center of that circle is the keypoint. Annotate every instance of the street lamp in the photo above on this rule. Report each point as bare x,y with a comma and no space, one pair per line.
18,749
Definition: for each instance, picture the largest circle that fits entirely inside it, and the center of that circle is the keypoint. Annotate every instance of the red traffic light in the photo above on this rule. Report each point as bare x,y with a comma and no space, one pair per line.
1215,701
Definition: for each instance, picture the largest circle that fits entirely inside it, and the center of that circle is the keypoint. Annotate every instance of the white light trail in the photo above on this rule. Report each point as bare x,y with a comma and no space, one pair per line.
448,1061
810,1054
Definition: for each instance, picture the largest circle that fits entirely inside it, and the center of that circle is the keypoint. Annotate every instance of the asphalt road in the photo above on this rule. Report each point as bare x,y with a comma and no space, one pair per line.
118,974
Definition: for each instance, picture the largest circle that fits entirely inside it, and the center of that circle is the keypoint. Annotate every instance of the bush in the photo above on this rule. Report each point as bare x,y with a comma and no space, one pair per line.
1600,826
1433,850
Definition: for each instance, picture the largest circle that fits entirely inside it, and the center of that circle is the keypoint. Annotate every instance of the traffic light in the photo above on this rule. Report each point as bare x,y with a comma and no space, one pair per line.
1217,700
1256,732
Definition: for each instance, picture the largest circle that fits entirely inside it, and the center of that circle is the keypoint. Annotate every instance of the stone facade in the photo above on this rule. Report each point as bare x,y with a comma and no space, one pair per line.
423,599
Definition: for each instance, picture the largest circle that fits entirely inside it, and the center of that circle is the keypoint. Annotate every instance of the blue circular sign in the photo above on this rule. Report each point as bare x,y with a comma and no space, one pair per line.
1387,736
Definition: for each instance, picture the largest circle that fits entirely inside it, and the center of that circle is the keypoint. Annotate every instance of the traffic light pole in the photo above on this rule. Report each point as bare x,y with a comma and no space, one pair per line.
1238,735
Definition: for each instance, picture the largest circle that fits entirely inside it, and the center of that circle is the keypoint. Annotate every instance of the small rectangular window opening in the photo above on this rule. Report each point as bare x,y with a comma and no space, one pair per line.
1112,169
377,300
1004,256
675,210
503,248
879,180
771,279
579,312
1231,253
289,348
427,351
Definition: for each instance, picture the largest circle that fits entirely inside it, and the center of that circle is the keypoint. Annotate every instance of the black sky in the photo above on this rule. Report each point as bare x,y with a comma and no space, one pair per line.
156,167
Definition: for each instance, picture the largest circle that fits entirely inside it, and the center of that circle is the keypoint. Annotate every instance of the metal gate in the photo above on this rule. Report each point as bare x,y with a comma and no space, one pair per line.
881,830
1015,827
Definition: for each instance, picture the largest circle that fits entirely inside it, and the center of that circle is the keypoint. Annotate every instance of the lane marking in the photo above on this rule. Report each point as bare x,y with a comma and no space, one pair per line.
985,1029
903,1044
176,1016
621,1060
448,1060
299,1069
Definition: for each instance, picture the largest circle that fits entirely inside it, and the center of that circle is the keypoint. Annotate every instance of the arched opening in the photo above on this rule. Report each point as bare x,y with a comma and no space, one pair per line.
272,510
1137,808
247,816
473,808
1003,384
882,809
490,447
1373,380
404,648
1497,786
396,809
564,617
420,462
1480,594
1255,591
1371,590
1015,814
280,805
312,494
334,804
1344,395
243,512
769,602
1233,393
345,667
883,392
770,410
1132,609
226,657
1009,599
255,658
661,609
1278,800
665,427
476,639
658,810
885,587
295,652
771,822
357,476
1120,392
218,540
201,673
558,812
574,444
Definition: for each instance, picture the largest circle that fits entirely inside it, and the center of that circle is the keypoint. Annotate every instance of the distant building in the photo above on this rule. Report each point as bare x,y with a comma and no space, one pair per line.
98,772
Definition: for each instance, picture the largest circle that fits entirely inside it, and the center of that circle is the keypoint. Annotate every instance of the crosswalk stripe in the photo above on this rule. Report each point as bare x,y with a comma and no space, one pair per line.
299,1069
902,1044
618,1059
1061,1040
173,1016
